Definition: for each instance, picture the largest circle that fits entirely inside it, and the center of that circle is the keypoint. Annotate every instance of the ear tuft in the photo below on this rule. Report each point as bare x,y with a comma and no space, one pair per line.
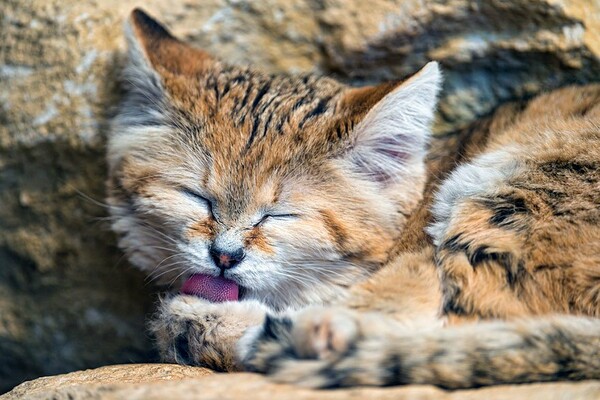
143,102
148,27
154,56
390,141
163,52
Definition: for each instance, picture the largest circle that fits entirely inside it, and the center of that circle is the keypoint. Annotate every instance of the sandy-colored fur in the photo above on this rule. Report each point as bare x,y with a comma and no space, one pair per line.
409,252
516,238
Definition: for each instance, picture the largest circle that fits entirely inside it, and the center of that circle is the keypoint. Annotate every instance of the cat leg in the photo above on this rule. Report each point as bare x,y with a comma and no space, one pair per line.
297,348
193,331
516,238
319,336
464,356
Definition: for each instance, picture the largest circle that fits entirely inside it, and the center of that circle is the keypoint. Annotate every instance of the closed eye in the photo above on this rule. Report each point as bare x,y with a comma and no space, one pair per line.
200,198
275,216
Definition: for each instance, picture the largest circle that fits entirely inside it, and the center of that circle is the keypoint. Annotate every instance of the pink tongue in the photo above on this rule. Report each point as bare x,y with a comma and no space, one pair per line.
215,289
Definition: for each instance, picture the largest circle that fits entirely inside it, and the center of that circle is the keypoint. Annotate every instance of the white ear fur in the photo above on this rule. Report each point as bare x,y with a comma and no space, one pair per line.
394,134
142,110
135,54
144,87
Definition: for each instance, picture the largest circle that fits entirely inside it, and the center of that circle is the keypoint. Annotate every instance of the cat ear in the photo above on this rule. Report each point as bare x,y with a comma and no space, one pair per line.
153,56
151,43
390,141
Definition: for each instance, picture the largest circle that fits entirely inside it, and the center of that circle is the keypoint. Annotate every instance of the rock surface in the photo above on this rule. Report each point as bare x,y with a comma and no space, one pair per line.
164,381
67,299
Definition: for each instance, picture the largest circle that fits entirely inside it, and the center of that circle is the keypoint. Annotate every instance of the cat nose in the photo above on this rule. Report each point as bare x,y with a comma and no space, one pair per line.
226,259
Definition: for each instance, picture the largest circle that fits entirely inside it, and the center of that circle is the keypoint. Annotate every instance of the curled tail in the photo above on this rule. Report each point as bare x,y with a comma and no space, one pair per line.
534,350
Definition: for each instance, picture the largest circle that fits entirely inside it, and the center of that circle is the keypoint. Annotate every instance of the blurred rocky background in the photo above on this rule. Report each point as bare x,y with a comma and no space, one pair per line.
67,299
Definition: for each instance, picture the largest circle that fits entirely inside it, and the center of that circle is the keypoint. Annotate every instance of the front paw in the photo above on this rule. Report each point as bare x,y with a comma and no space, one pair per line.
324,333
313,334
193,331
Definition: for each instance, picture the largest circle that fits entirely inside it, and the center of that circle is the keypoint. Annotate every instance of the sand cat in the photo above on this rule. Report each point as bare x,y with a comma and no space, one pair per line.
316,232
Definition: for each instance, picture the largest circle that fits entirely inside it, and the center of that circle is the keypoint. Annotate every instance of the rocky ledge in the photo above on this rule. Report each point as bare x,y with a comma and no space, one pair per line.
162,381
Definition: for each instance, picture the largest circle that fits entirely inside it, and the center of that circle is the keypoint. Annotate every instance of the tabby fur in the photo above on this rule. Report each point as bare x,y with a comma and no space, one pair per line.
375,255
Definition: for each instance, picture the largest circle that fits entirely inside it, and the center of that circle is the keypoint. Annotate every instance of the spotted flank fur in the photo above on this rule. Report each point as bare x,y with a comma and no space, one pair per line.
359,249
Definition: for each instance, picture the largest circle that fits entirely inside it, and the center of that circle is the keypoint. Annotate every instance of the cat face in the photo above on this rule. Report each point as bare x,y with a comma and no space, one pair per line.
294,187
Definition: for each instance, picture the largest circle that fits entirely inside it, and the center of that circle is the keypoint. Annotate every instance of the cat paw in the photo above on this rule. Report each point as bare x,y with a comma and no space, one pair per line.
193,331
324,333
323,348
290,348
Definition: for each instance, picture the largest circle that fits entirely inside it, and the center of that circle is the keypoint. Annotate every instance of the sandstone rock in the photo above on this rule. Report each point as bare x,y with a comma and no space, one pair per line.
67,299
163,381
94,379
491,51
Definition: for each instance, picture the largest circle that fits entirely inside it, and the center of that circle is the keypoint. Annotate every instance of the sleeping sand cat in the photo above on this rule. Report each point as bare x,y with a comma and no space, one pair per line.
376,252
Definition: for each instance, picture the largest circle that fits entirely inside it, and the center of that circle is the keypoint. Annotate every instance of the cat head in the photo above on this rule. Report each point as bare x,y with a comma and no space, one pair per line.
294,186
